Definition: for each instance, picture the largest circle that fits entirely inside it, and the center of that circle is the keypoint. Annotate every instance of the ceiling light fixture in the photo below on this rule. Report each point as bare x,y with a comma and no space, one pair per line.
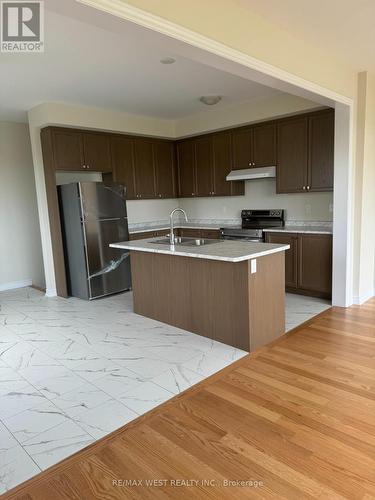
210,100
167,60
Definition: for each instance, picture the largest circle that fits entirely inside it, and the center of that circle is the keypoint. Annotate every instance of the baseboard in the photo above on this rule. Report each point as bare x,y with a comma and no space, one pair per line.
15,284
361,299
51,292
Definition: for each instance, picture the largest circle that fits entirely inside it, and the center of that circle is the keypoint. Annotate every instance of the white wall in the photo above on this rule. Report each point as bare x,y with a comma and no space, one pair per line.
262,194
364,248
20,244
256,110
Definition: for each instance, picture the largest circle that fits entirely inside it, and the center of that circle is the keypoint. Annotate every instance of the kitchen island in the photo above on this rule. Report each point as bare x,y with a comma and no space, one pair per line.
229,291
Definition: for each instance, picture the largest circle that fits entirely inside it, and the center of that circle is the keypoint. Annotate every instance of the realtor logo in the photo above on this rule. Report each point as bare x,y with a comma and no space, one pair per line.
22,26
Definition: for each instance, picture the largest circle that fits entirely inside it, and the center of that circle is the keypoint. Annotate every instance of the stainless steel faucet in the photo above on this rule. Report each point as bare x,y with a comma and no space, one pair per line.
171,230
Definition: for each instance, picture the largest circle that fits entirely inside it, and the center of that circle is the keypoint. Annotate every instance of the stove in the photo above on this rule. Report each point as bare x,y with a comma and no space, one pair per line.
253,224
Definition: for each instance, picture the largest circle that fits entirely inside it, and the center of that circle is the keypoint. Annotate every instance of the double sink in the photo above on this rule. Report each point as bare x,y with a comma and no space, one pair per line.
186,242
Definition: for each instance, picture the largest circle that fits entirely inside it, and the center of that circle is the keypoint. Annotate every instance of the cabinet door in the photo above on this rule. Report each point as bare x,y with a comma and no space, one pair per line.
142,236
321,144
242,148
97,152
315,263
222,164
144,169
291,255
211,234
164,169
186,169
264,145
204,166
67,150
292,155
123,164
187,232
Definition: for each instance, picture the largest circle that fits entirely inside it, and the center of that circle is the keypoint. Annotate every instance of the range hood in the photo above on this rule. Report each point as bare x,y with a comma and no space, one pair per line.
251,173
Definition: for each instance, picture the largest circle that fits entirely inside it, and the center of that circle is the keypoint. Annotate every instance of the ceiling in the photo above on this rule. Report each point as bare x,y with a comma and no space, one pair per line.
94,59
344,28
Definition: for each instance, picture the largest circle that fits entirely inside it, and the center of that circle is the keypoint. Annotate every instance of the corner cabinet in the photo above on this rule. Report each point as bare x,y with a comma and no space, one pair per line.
308,262
305,153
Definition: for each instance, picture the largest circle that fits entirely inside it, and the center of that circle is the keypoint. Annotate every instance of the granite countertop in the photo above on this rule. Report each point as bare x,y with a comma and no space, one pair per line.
224,250
301,229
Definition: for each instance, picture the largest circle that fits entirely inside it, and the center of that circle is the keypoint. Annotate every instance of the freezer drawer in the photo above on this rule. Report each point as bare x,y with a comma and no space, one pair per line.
108,268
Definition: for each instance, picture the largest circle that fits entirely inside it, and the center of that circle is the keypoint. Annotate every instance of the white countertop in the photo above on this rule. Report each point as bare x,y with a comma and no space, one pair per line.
300,229
224,250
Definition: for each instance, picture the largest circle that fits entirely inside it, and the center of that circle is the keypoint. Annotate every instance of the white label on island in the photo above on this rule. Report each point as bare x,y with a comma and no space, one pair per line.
253,266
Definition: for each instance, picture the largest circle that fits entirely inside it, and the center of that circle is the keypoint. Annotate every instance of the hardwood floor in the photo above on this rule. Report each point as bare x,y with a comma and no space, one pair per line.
297,417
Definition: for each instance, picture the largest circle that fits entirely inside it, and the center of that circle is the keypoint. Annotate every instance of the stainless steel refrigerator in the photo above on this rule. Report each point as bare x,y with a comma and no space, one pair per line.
93,215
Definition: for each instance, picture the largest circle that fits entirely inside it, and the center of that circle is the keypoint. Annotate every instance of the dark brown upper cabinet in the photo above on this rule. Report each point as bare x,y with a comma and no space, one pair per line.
204,166
242,148
292,157
264,145
254,146
122,151
305,153
97,152
321,151
144,169
165,177
67,150
186,168
76,150
222,165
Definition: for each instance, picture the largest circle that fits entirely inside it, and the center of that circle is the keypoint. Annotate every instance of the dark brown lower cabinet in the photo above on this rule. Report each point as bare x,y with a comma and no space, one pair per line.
186,232
308,262
148,234
291,264
315,263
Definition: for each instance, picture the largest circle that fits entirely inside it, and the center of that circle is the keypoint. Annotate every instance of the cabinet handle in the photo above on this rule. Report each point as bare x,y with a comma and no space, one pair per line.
250,164
192,194
83,166
308,188
159,195
304,188
87,166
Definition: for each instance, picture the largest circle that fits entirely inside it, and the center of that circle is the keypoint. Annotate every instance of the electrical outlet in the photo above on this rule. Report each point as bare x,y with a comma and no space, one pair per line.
253,266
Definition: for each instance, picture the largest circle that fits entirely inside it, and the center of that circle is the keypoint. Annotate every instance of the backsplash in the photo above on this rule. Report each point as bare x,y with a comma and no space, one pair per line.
300,208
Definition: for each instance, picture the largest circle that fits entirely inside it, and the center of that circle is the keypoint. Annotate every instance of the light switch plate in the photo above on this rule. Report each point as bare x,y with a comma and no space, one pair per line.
253,266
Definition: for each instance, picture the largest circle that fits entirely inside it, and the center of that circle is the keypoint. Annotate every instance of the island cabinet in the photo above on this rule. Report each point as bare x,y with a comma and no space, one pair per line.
308,262
222,300
305,153
254,146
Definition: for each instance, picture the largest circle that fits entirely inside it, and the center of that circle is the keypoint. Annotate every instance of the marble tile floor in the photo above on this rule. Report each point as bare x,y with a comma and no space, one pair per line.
73,371
299,309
